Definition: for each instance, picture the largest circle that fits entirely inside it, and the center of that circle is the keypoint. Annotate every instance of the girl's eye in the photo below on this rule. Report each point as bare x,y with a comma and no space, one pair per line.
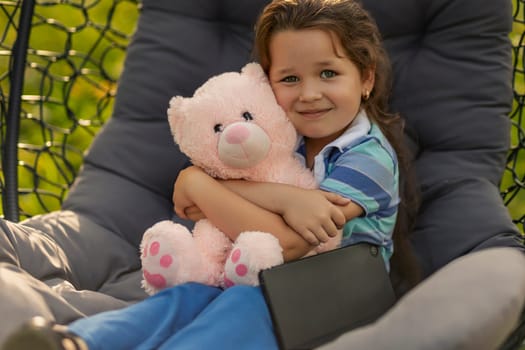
247,116
328,74
218,128
290,79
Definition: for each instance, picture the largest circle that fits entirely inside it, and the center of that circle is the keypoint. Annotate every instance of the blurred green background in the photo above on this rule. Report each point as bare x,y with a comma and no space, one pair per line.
76,53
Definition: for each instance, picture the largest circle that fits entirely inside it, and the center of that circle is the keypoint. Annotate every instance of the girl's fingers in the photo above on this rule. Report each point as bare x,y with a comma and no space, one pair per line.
331,230
336,199
338,218
310,237
322,235
180,213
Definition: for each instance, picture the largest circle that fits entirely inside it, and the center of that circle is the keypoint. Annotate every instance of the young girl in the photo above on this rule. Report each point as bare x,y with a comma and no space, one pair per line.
329,72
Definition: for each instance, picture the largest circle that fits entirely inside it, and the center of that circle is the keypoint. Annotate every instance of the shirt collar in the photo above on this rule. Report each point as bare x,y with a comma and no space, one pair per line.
359,127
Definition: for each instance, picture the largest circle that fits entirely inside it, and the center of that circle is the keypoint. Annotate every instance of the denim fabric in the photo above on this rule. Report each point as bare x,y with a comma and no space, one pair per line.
189,316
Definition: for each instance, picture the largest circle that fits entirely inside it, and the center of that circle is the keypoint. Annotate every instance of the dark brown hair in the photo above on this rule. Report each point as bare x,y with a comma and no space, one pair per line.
362,43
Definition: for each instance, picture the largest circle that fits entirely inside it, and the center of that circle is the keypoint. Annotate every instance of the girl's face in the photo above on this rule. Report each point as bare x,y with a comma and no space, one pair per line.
315,83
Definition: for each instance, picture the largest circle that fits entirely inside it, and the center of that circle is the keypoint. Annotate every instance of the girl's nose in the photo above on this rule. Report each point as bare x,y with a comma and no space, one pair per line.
309,92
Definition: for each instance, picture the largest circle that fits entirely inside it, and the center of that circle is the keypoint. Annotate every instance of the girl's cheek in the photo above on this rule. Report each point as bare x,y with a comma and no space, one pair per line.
280,97
284,96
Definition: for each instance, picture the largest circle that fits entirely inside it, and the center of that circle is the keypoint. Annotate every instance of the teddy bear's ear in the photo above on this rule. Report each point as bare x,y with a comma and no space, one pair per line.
255,70
175,114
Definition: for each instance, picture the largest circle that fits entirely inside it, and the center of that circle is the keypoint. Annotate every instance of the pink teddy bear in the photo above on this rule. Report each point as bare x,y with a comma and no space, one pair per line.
232,128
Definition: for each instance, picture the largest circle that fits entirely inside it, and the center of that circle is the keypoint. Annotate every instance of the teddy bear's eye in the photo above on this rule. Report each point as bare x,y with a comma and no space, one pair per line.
218,128
247,116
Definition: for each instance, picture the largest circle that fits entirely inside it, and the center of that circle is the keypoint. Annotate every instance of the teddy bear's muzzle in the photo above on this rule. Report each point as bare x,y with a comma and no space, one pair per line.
243,145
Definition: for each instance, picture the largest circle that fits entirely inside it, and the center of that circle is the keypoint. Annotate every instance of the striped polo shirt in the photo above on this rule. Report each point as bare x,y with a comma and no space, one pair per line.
362,165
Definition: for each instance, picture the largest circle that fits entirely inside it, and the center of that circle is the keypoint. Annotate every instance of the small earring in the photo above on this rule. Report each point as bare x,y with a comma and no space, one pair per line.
366,95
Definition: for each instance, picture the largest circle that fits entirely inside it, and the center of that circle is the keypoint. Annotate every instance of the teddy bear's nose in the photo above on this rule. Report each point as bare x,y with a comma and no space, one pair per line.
237,134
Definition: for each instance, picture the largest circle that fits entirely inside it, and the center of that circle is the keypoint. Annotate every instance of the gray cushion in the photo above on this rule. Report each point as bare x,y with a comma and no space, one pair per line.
448,311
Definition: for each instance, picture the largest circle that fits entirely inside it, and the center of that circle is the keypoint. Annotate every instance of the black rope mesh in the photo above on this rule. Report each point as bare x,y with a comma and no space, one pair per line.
74,58
513,184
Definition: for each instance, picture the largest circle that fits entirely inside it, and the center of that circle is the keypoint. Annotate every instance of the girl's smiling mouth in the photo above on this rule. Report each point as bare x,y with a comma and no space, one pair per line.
313,113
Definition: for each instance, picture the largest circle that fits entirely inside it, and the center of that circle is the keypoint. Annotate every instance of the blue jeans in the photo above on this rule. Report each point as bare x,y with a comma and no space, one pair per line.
189,316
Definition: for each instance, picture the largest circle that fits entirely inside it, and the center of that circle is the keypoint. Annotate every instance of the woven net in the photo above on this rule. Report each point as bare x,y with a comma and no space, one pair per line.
512,187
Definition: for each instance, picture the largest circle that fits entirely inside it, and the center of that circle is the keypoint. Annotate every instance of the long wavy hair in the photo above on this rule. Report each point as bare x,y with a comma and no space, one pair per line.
362,43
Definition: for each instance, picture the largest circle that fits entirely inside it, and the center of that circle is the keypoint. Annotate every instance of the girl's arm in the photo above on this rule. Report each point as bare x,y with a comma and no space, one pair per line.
231,213
316,215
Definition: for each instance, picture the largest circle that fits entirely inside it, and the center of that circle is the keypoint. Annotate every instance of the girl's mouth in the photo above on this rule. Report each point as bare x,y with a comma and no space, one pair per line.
314,113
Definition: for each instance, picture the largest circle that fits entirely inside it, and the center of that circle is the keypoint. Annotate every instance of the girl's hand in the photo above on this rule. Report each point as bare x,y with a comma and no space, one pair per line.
314,214
184,207
194,213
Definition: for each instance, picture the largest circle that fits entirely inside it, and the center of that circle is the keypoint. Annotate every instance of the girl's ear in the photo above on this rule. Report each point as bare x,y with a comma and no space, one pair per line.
369,77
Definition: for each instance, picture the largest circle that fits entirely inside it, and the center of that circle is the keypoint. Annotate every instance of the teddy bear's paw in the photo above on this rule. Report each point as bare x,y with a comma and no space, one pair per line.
169,257
237,270
156,266
251,253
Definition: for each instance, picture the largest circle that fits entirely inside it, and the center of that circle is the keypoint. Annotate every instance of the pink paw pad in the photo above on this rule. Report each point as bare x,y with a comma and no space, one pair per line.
236,255
154,248
166,261
155,280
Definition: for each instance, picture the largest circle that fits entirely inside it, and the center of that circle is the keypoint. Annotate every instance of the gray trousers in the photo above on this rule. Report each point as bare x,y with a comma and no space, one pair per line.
63,267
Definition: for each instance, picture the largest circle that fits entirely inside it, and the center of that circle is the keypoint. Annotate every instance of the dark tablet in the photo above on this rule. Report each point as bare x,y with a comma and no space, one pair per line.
315,299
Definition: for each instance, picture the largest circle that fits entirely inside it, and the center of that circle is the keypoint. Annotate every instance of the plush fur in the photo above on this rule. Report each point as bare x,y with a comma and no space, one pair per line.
232,128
